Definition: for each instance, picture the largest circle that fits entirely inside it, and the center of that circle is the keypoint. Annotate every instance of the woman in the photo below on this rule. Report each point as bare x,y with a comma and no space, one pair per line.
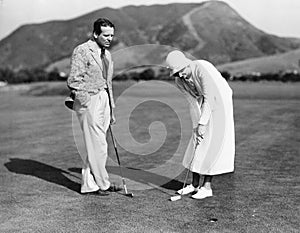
211,149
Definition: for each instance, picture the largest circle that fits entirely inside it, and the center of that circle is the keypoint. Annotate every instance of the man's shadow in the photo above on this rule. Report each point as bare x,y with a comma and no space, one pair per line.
42,171
57,176
142,176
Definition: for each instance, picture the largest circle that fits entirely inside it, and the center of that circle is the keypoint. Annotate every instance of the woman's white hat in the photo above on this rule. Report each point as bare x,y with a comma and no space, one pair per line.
177,61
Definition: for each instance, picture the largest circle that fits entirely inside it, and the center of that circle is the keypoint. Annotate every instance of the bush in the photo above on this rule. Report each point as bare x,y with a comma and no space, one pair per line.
287,76
6,74
226,75
54,75
290,76
147,74
121,77
29,75
162,73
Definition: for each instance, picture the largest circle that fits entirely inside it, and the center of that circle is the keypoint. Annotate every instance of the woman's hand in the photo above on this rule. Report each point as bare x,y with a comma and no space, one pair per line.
200,131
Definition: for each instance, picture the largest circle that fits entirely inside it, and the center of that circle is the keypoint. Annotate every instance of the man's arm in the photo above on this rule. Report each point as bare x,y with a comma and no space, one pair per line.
204,101
77,73
109,79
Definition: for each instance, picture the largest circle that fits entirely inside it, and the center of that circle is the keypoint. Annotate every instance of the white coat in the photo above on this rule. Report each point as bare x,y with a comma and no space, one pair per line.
210,105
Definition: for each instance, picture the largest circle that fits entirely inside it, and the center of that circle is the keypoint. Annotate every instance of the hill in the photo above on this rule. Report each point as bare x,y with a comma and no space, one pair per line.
209,30
269,64
216,32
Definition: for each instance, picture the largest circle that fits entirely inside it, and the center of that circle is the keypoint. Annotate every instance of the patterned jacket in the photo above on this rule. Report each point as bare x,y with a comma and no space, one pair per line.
86,75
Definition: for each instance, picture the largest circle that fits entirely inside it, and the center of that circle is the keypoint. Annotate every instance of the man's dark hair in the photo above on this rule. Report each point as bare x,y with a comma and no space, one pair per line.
101,22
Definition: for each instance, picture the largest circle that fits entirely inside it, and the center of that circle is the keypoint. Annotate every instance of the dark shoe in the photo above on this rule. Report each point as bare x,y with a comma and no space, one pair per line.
97,193
113,188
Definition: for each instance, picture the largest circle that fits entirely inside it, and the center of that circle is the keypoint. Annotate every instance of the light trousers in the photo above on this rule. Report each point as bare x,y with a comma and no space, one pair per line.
94,119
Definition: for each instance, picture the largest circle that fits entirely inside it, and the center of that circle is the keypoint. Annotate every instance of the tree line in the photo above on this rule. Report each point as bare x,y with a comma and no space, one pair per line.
30,75
156,73
163,74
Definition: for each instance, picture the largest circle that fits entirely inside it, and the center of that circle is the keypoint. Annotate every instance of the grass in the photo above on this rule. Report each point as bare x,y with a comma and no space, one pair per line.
40,168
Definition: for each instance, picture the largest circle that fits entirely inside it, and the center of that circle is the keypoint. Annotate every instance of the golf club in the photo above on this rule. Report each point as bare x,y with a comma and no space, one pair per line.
117,155
178,197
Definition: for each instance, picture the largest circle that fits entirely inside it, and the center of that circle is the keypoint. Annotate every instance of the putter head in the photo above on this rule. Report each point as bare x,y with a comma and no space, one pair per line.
175,198
129,194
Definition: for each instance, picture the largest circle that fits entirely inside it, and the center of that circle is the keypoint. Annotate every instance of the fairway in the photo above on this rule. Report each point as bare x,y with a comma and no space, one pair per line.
40,165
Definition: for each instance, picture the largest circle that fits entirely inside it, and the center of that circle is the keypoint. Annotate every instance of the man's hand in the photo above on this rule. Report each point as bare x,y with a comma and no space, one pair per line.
112,119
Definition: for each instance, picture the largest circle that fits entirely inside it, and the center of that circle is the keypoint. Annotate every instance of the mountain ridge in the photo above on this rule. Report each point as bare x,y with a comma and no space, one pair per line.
210,30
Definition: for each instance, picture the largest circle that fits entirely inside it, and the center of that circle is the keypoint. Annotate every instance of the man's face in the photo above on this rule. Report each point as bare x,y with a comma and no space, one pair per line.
105,37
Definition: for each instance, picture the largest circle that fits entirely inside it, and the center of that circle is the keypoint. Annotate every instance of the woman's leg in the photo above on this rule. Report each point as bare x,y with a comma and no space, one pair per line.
196,179
207,182
205,190
191,187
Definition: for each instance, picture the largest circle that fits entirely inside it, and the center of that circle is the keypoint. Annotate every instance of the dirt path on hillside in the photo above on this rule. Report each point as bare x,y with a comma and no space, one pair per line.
188,22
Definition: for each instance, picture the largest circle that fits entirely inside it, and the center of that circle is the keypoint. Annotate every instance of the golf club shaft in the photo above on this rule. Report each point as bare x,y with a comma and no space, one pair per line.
185,180
178,197
188,171
70,174
115,146
118,158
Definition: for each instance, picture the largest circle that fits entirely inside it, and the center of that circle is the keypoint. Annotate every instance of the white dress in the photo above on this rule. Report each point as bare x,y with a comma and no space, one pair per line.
215,154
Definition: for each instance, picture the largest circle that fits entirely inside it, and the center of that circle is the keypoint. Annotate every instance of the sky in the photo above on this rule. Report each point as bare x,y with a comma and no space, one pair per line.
278,17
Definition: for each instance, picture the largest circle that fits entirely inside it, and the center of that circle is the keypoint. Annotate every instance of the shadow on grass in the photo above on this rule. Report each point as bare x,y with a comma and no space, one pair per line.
42,171
142,176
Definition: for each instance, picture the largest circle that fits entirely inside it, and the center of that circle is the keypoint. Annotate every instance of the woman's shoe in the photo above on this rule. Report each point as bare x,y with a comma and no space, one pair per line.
203,193
188,189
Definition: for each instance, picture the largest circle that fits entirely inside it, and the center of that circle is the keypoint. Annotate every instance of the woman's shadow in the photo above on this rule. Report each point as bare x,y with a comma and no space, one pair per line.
42,171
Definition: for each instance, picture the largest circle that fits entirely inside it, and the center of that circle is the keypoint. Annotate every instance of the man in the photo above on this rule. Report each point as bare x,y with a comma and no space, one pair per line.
90,82
211,149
